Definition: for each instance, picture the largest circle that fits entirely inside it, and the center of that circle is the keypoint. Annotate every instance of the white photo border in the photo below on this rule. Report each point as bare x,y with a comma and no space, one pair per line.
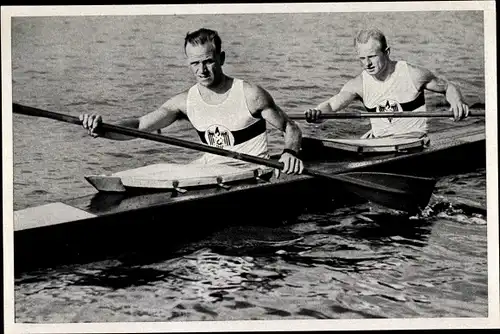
493,319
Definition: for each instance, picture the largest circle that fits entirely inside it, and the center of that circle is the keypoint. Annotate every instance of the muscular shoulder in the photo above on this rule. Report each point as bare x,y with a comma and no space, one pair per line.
420,76
257,98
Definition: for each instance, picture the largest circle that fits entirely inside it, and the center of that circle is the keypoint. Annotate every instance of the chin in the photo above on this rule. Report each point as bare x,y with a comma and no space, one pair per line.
206,83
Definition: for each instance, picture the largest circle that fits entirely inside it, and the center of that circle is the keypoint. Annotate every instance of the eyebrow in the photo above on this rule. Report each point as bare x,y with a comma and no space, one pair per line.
200,61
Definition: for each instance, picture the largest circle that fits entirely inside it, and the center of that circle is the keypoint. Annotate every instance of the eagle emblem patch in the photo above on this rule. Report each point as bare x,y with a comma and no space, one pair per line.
219,136
389,106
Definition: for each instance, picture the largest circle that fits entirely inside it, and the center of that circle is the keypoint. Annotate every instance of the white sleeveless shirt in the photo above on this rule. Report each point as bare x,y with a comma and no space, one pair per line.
396,94
227,125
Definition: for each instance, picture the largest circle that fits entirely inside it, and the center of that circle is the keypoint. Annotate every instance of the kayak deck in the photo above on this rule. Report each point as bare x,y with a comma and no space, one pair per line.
177,177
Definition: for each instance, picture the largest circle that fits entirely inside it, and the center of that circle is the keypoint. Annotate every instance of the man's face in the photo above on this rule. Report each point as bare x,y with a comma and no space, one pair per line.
373,59
205,64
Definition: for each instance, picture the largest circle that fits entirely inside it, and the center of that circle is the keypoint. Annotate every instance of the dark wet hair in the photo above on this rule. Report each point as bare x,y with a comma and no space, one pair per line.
202,36
364,35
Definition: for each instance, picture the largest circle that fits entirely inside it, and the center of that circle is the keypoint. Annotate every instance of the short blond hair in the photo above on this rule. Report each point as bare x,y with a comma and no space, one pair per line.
364,35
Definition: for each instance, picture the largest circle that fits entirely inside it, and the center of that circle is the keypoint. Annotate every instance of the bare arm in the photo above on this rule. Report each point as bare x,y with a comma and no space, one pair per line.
350,91
261,104
172,110
167,114
425,79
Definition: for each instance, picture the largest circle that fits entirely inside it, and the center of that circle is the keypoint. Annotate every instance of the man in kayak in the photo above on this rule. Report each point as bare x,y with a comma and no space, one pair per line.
227,112
385,85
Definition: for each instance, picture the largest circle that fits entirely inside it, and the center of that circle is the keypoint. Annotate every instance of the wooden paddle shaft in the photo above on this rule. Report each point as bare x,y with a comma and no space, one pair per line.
31,111
350,115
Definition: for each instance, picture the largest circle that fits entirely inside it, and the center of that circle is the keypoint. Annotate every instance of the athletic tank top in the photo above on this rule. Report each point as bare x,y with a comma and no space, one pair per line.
228,125
396,94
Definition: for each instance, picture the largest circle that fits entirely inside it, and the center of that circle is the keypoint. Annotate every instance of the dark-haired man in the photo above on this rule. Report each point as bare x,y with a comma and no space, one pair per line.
387,85
227,112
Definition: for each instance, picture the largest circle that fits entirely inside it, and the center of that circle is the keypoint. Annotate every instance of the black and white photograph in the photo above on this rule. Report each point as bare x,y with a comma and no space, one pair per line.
250,167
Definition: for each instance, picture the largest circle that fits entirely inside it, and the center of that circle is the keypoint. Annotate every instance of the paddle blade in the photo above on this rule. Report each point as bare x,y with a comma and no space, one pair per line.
400,192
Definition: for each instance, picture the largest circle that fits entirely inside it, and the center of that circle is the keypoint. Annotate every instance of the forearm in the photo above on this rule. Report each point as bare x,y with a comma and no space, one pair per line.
336,103
442,86
293,136
452,93
130,123
148,123
325,107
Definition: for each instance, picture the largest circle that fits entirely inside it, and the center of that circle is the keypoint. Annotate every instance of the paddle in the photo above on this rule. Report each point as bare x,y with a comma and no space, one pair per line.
350,115
400,192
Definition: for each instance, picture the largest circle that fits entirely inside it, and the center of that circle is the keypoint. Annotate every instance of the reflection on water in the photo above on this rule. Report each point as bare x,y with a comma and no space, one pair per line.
355,262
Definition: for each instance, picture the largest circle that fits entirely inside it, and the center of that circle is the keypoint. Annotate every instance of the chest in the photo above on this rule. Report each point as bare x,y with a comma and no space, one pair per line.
214,99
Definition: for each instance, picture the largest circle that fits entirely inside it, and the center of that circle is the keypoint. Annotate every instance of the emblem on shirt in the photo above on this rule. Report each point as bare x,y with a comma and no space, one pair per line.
219,136
389,106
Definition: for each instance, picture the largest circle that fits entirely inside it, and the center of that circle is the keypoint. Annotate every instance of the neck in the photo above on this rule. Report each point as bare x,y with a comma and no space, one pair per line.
386,72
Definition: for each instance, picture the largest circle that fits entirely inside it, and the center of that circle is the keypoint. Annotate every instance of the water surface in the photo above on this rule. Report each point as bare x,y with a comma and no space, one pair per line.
354,262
